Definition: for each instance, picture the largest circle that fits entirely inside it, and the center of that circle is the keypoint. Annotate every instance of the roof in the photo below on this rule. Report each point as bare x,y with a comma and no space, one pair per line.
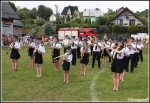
93,12
17,23
8,12
122,12
72,9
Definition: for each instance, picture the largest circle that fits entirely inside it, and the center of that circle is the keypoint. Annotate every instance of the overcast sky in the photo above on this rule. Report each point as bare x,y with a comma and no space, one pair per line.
82,5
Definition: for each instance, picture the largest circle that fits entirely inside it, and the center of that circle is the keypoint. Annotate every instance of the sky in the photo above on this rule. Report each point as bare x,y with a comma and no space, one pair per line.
82,5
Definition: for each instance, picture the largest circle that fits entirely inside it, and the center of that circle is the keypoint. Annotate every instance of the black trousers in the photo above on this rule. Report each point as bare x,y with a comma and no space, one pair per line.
78,52
96,55
109,55
91,47
141,55
136,58
74,51
132,58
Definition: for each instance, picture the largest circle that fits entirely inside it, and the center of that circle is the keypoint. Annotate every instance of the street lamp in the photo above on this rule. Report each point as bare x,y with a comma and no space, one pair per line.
56,16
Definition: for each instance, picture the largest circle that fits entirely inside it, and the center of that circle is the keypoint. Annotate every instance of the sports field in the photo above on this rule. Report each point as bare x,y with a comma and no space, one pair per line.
97,85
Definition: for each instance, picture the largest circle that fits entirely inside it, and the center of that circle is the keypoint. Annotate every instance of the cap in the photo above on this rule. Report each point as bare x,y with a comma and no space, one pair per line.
66,35
16,37
31,37
132,38
68,48
137,40
85,40
54,36
124,40
39,39
120,39
73,36
105,40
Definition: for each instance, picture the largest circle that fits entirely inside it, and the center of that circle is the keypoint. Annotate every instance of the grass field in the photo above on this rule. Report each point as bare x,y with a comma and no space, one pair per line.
96,85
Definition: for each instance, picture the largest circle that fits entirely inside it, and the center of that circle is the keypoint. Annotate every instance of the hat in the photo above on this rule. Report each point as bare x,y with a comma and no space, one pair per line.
39,39
31,37
73,36
66,35
137,40
132,38
105,40
120,39
124,40
68,48
16,37
85,40
54,36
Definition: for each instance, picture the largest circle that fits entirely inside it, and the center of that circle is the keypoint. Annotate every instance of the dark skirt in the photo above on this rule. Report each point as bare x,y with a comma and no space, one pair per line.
38,58
85,59
117,65
14,54
66,66
105,53
56,54
30,52
126,63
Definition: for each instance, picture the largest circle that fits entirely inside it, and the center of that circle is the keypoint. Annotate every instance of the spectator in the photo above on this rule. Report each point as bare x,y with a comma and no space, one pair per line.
105,37
46,40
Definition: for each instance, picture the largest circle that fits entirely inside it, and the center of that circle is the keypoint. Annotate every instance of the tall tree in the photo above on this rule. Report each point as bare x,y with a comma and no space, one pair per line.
33,13
48,31
13,6
101,20
109,15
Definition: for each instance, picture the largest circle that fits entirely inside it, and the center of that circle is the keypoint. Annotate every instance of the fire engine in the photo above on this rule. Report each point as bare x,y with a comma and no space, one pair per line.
83,32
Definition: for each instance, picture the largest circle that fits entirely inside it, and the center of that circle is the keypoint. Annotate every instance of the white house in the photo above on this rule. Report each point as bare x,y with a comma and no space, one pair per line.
125,17
52,18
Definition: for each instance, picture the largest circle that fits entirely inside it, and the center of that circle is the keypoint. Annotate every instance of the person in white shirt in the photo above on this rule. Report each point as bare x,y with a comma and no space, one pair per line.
85,51
67,58
73,50
96,52
117,64
14,56
31,47
66,42
136,53
56,47
39,50
132,48
79,43
125,59
140,53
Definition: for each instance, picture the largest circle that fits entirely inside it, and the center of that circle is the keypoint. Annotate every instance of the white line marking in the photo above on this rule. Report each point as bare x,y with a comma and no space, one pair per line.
93,95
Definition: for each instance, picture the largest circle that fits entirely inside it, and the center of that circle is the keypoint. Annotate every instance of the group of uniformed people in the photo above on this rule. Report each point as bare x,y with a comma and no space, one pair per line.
119,53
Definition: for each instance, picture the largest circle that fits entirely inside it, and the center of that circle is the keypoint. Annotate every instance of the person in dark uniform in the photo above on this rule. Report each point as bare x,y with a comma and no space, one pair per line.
105,51
31,47
14,56
39,50
85,51
140,53
132,48
117,66
125,59
56,46
79,43
136,53
73,50
67,58
96,51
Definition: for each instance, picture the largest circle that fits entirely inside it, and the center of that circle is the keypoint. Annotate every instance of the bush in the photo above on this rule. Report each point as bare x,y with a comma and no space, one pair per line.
39,21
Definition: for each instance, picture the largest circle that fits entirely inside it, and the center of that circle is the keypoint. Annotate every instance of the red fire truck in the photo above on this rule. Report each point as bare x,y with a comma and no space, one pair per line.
83,32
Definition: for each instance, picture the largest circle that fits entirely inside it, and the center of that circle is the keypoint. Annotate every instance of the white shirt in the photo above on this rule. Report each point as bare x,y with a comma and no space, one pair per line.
66,42
17,45
106,45
119,56
69,57
74,47
141,45
79,42
138,46
32,44
89,42
131,49
126,51
58,45
89,50
41,48
98,49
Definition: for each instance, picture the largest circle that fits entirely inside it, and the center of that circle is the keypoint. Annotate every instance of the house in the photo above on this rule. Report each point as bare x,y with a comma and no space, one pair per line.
93,14
8,16
125,17
17,27
52,18
71,11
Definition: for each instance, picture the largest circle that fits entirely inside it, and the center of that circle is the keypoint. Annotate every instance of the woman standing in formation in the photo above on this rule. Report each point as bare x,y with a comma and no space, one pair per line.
39,50
85,51
117,66
56,47
14,56
66,64
30,50
125,59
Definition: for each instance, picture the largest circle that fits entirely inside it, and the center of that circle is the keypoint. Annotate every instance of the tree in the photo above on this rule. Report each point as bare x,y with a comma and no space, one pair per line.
33,13
39,21
13,6
101,20
86,20
109,15
48,31
89,21
68,18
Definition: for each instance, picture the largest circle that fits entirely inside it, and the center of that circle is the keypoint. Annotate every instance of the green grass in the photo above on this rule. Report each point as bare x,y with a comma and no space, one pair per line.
24,86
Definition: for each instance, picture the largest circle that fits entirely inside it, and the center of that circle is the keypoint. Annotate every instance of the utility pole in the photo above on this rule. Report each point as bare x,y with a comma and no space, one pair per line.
56,15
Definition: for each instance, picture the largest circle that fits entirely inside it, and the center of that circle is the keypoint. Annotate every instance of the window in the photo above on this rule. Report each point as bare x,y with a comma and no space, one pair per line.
120,21
132,22
82,31
17,28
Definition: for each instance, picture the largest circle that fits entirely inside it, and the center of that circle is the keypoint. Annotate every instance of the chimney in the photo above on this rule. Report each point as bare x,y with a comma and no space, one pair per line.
97,9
